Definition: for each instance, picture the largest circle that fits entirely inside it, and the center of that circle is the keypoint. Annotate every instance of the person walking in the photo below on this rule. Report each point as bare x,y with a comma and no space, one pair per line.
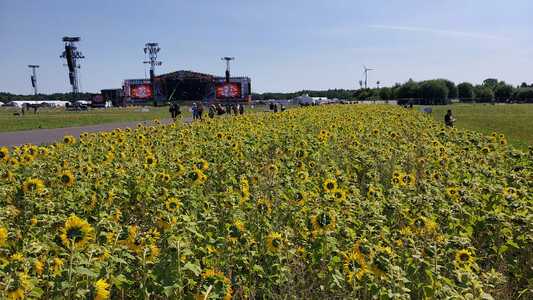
171,109
194,111
449,119
241,109
200,111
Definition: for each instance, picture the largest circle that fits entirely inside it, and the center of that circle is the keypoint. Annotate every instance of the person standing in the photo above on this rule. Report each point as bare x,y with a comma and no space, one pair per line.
449,119
194,111
200,111
241,109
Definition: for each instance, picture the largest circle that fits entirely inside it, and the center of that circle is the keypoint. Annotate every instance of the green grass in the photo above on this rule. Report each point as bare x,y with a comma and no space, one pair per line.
513,120
58,117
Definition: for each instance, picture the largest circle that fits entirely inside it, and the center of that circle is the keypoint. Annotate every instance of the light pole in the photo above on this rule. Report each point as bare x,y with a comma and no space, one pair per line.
71,54
228,60
151,49
34,78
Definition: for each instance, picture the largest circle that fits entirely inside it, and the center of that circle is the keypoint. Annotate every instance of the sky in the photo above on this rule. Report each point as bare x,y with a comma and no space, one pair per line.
283,45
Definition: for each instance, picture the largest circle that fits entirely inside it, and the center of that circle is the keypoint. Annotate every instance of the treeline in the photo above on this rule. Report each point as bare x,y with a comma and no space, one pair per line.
6,97
436,91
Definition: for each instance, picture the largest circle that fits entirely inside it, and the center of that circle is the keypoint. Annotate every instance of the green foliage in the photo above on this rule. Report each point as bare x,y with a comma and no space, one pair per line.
465,91
434,91
483,93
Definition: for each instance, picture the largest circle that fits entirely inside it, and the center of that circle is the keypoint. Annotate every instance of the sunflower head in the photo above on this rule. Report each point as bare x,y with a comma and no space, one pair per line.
4,154
76,233
354,266
33,185
172,204
464,259
69,140
18,286
101,289
339,195
329,185
197,176
67,178
274,242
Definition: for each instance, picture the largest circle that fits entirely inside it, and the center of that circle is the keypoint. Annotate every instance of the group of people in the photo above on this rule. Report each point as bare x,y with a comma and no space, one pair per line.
274,107
213,109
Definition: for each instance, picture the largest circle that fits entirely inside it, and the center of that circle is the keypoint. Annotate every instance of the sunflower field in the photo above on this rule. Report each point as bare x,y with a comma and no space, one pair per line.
337,202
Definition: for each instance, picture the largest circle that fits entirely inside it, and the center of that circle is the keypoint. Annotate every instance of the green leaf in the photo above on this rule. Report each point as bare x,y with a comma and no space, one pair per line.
502,249
193,268
86,272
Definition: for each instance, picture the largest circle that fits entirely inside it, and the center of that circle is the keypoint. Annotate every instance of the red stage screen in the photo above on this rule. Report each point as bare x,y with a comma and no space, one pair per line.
141,91
230,90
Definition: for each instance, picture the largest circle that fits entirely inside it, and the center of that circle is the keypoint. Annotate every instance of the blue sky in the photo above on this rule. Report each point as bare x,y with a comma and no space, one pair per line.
282,45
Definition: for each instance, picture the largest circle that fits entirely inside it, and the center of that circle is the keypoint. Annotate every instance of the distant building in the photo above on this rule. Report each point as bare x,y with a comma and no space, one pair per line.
49,103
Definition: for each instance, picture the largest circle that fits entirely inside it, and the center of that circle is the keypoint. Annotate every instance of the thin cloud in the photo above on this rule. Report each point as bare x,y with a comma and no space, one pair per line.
450,33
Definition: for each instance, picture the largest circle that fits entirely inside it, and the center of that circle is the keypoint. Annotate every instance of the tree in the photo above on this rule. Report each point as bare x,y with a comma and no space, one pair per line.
483,93
524,95
452,88
503,91
385,93
409,90
491,83
434,92
465,91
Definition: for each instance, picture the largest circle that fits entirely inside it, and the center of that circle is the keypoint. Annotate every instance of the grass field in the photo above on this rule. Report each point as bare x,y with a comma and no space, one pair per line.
58,117
514,120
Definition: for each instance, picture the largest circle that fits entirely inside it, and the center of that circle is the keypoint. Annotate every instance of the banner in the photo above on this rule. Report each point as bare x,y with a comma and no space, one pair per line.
228,90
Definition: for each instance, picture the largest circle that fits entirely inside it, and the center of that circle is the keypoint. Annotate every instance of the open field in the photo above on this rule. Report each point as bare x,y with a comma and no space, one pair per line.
514,120
59,118
332,202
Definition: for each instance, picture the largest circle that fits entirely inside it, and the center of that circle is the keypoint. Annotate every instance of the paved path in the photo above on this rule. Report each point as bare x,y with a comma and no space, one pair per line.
46,136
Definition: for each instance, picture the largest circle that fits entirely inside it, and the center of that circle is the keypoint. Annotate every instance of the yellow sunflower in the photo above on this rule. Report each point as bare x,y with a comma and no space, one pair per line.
408,180
57,266
197,176
452,192
221,283
509,193
323,221
464,259
201,164
150,161
236,230
354,266
67,178
172,204
264,206
76,232
69,140
101,288
339,195
4,154
38,265
18,287
329,185
33,185
274,242
3,236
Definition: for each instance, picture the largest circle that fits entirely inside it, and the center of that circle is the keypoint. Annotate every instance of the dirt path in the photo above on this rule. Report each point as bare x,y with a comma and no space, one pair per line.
47,136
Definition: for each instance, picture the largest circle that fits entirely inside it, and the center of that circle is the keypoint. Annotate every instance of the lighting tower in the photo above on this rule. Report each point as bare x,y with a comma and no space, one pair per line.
151,49
72,55
366,75
228,60
34,78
